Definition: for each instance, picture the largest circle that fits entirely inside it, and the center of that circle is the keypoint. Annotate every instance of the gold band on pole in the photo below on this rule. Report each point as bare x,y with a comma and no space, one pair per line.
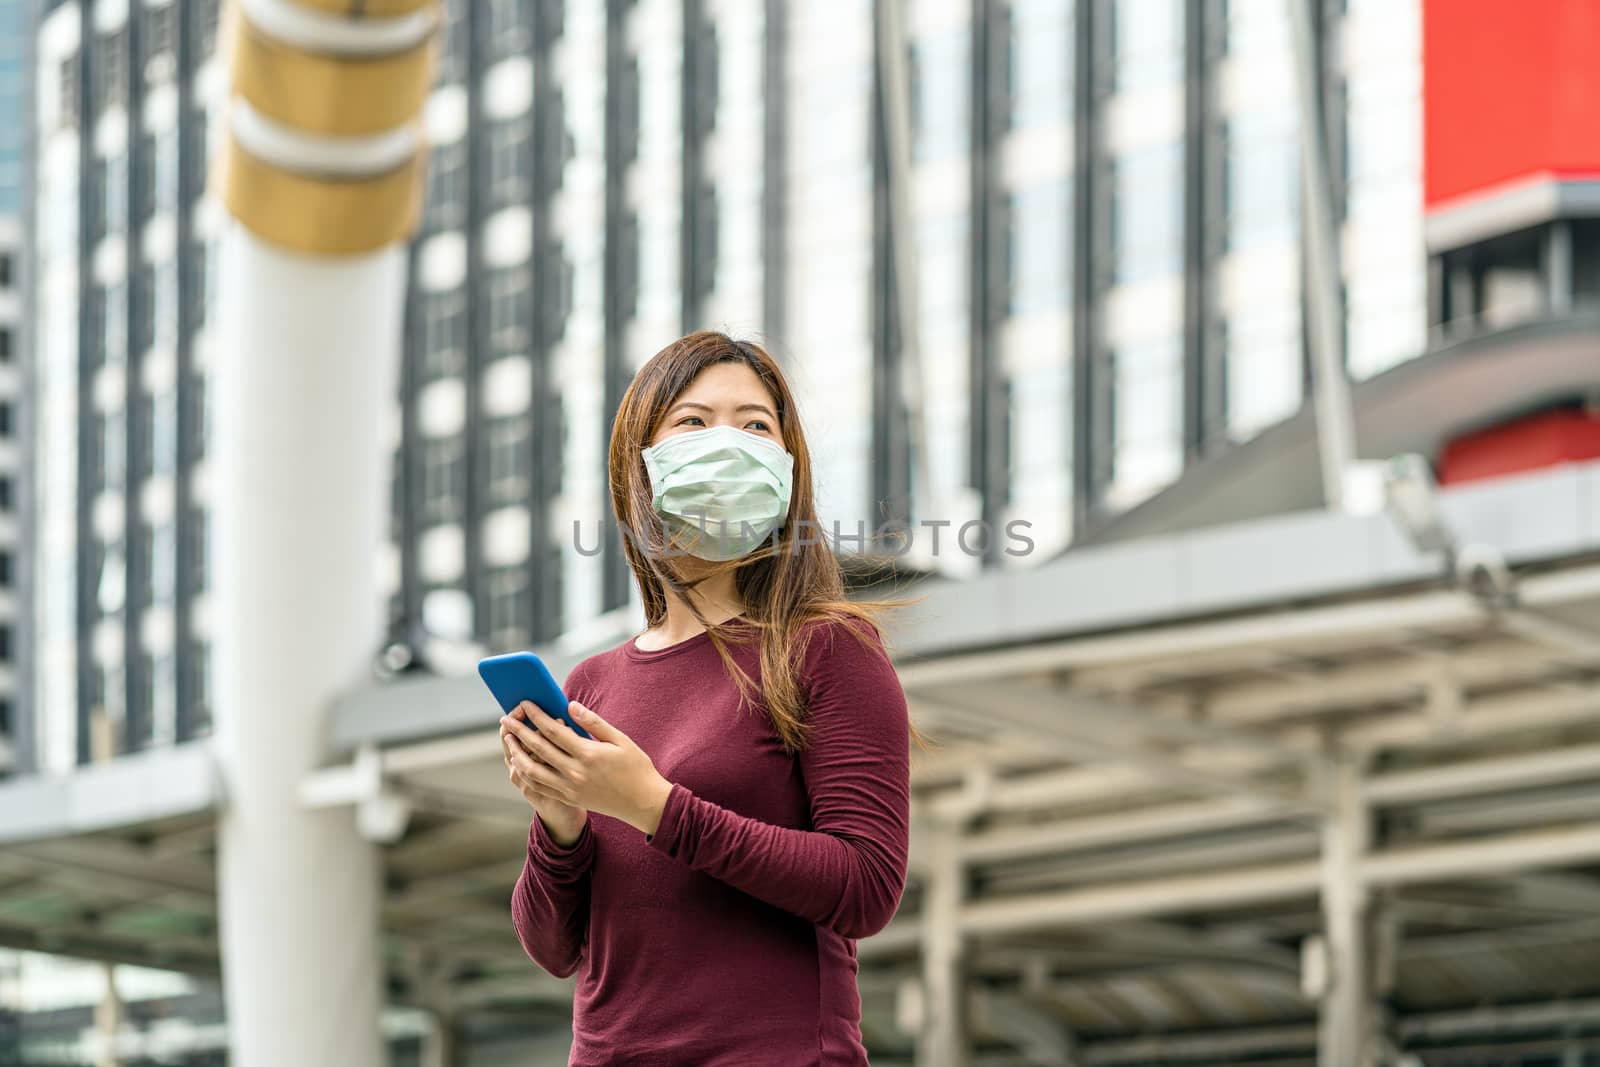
320,93
321,215
365,8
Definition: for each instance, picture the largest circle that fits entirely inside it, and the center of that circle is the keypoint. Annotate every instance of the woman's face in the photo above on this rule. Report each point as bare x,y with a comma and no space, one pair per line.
724,394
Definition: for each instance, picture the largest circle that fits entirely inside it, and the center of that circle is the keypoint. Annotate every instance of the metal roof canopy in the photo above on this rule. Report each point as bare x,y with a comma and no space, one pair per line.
1150,758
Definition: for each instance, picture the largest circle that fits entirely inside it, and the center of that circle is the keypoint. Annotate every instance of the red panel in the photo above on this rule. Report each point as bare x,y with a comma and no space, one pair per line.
1542,440
1511,90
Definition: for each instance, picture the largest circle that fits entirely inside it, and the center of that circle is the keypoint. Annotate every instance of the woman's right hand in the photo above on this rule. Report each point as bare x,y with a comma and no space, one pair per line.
562,821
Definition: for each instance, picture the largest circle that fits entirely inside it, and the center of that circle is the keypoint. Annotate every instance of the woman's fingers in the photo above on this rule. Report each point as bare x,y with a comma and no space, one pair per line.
558,733
539,777
541,742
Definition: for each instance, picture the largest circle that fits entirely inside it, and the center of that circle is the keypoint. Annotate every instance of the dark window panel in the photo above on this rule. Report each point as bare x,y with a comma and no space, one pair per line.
444,469
510,608
71,104
110,69
444,335
206,25
510,460
510,162
509,27
510,297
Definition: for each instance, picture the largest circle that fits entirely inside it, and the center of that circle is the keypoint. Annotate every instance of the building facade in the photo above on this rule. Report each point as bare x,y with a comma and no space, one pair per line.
1104,199
13,35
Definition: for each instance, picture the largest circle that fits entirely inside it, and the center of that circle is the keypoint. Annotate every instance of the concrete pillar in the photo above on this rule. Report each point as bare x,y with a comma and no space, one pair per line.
944,1040
108,1018
1347,1026
321,177
440,1046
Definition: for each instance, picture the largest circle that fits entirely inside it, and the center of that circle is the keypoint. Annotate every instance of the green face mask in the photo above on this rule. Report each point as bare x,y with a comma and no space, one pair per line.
720,491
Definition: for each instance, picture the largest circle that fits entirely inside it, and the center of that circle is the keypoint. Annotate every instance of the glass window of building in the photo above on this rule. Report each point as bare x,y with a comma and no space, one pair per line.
159,33
207,14
510,608
1147,212
67,81
194,396
111,70
114,323
114,194
444,478
508,27
509,162
444,338
164,304
1039,247
940,90
1260,178
452,65
163,432
1147,43
113,448
162,540
1042,53
447,174
1146,419
164,167
510,460
510,311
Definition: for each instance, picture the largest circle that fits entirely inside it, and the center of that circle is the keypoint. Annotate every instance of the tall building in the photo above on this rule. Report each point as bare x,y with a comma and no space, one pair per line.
121,240
1104,201
13,37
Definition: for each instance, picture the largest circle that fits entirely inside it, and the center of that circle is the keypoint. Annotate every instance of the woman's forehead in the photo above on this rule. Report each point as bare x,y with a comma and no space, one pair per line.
726,385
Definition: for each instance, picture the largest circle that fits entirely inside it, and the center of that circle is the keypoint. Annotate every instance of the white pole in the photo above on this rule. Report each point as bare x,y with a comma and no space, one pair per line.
305,375
321,179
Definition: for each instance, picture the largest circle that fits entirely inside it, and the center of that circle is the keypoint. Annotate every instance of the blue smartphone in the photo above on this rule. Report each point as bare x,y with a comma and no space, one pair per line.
518,676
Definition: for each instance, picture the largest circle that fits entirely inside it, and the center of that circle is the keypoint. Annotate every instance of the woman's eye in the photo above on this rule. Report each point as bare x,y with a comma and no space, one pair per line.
757,424
687,419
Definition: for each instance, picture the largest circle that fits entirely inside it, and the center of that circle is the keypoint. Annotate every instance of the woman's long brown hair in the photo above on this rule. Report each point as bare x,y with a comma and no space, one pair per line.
792,580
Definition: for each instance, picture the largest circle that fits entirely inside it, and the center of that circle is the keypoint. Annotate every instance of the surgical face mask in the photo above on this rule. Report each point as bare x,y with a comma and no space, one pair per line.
720,491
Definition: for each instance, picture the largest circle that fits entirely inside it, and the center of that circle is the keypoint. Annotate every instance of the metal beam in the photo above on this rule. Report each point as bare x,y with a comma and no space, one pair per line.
1336,435
1055,729
1042,1040
1123,828
1480,858
1476,777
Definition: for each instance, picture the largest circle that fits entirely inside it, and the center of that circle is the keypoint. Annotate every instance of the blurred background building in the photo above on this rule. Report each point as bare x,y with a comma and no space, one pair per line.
13,75
1112,334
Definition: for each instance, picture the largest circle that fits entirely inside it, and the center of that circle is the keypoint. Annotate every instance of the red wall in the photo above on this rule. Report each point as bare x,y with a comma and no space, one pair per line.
1566,435
1511,89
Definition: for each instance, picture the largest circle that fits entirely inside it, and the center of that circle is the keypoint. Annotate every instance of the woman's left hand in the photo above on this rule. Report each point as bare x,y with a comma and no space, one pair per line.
608,774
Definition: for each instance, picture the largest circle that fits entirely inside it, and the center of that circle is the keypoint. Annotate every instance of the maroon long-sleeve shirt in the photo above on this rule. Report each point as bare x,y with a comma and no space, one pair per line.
727,938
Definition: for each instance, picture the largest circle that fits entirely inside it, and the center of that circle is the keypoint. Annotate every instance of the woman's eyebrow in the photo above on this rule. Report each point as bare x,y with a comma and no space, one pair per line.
707,407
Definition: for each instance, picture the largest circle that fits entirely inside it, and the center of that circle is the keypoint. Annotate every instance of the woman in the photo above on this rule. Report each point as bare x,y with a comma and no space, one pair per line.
740,816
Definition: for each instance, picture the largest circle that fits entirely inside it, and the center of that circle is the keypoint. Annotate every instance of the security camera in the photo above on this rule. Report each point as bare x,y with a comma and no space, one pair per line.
1408,491
1482,571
